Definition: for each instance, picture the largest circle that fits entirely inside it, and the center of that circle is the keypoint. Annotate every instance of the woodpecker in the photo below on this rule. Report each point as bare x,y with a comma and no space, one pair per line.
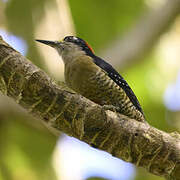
94,78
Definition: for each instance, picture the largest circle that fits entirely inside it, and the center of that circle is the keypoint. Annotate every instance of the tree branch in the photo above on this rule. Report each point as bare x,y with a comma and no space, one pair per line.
63,110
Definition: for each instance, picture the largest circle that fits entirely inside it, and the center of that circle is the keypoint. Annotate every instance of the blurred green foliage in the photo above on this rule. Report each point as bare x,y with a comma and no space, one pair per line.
99,22
26,151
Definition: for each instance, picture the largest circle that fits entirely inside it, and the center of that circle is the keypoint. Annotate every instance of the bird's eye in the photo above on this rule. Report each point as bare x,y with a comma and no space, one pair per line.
68,38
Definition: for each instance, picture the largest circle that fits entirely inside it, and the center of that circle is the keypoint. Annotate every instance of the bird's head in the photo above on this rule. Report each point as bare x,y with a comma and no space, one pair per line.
70,47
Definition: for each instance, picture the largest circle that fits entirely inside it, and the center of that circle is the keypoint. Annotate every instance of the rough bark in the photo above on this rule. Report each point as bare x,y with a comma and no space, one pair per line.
61,109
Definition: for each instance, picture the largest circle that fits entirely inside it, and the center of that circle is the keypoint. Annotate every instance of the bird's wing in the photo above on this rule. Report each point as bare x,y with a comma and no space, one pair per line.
119,80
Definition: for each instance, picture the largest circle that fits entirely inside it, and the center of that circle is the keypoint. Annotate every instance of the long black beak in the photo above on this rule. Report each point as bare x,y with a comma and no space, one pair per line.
49,43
